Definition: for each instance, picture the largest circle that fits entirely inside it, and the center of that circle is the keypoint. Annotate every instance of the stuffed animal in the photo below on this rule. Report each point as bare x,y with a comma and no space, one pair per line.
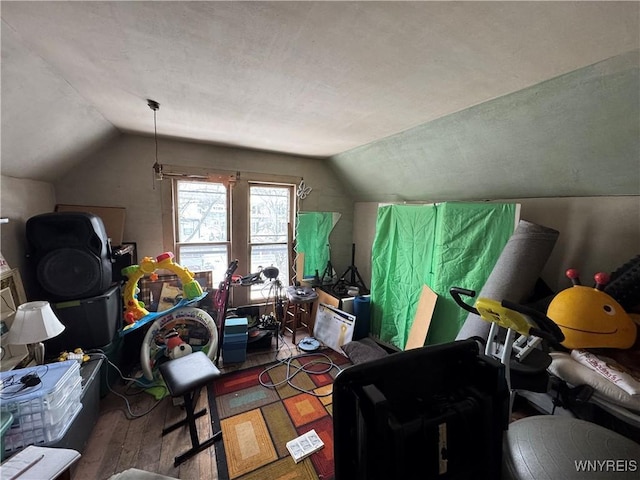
176,347
590,318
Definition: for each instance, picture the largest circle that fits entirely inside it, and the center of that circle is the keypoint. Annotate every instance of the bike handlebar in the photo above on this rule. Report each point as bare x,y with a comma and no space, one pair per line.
546,329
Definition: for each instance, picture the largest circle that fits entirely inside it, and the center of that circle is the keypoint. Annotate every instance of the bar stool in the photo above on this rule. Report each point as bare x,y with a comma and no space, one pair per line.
184,377
298,312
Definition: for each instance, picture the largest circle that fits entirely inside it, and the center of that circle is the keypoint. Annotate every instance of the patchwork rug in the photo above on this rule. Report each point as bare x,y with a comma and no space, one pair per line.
260,409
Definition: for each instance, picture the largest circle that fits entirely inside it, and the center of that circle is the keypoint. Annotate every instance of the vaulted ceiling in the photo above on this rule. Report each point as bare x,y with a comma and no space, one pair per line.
307,78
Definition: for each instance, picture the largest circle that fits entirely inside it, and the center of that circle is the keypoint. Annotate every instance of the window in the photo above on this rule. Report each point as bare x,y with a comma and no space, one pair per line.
270,217
202,226
212,217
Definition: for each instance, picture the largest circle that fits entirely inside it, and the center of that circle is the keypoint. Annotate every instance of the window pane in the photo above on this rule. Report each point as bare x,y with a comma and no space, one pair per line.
205,257
269,214
202,212
267,256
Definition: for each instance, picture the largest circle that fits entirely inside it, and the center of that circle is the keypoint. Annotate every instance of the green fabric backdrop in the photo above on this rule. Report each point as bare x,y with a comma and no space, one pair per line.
444,245
312,239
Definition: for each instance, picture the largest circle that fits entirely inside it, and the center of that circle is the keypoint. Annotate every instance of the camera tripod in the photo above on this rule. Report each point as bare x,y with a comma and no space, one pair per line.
355,280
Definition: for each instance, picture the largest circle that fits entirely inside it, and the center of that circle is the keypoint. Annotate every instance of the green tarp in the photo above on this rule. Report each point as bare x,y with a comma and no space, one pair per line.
312,239
444,245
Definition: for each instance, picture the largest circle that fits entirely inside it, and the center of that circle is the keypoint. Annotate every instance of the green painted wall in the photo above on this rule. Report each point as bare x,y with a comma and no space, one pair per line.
574,135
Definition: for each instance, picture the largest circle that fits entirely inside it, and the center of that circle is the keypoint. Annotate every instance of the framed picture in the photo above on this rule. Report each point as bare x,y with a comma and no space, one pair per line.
12,295
166,291
13,281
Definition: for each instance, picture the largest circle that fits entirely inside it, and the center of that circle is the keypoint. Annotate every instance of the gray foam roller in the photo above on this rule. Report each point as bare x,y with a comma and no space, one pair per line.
515,273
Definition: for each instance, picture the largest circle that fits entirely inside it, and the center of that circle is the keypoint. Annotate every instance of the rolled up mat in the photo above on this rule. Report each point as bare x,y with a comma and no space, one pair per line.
362,311
515,273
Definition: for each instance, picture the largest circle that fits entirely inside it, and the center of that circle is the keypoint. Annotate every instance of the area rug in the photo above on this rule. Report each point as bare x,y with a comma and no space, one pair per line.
260,409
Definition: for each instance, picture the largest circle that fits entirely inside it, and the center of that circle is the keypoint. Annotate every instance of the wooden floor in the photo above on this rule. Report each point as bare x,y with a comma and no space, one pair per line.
118,443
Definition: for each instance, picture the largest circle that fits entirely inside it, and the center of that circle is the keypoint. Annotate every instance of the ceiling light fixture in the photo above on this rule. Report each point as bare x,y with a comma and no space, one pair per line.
157,167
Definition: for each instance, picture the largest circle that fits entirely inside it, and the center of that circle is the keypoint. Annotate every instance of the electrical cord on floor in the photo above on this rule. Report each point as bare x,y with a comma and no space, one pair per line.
293,370
130,415
281,343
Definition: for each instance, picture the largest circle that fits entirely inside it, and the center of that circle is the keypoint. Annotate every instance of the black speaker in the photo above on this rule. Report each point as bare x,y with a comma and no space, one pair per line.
70,255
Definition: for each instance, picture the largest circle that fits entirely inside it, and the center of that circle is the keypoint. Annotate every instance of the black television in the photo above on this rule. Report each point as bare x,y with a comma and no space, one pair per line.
434,412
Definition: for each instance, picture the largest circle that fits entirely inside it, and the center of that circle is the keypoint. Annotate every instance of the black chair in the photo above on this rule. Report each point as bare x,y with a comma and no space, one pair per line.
431,412
184,377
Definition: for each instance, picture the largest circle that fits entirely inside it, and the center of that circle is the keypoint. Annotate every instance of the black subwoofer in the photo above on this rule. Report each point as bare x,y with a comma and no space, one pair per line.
70,255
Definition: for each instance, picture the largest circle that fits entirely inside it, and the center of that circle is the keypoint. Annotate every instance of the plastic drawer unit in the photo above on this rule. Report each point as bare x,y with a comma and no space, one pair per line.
43,401
234,348
235,325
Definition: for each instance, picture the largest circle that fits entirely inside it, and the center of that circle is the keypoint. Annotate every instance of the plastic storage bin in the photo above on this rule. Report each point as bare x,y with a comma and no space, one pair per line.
90,322
234,347
6,419
235,325
42,413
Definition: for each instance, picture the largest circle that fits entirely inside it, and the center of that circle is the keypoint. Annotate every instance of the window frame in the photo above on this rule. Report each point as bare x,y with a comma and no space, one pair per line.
290,221
178,244
238,212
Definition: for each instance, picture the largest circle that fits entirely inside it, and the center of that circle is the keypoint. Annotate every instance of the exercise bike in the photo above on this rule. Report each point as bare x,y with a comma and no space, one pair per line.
544,446
522,349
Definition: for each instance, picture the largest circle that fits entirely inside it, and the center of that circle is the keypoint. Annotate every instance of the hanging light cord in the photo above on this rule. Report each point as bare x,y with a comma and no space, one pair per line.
157,168
155,133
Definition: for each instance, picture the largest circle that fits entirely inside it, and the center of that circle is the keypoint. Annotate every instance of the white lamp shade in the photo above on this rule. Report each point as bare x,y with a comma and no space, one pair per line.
34,322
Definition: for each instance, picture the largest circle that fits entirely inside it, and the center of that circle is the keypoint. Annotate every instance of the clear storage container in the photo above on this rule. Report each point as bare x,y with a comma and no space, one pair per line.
42,413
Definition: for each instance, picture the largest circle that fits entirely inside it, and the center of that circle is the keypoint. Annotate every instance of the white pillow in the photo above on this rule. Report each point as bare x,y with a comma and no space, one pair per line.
571,371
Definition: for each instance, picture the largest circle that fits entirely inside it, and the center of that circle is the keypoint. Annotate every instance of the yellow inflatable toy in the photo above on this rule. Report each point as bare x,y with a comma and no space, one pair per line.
590,318
134,309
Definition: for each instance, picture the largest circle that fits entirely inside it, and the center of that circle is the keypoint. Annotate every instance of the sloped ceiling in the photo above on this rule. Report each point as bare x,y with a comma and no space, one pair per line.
319,79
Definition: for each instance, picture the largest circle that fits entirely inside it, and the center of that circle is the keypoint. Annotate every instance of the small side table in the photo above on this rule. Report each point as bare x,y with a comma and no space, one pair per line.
40,463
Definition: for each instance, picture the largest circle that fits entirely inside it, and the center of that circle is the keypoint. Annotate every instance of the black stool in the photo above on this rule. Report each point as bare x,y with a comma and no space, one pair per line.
184,377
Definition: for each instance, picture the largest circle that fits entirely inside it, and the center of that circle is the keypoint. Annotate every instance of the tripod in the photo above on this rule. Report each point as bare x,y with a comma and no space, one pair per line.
328,273
355,279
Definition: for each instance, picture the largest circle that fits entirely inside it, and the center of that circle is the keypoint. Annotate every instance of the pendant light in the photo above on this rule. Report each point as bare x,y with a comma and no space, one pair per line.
157,167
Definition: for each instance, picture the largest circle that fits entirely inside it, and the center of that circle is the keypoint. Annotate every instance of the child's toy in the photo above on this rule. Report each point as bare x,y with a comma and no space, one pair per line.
176,346
134,309
77,354
178,333
589,318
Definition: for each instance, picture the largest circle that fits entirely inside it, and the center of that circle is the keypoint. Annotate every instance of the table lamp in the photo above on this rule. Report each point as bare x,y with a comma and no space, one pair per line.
34,323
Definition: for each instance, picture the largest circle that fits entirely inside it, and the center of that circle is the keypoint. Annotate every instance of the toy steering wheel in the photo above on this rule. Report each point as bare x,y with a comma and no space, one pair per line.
195,328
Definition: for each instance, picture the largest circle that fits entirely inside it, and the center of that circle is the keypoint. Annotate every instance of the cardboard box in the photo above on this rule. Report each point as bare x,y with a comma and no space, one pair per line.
112,217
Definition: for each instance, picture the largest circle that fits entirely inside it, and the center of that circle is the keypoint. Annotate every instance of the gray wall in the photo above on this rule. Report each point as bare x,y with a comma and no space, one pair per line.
21,199
120,175
574,135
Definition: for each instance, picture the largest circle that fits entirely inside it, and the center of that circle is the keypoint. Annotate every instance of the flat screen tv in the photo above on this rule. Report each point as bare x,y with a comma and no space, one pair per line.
434,412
